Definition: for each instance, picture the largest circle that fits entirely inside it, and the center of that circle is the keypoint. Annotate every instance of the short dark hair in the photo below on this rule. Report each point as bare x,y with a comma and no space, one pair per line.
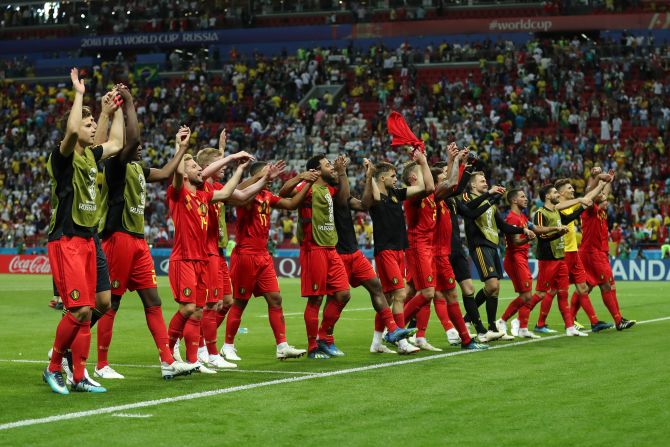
441,164
436,173
407,171
315,162
382,168
257,166
512,193
545,190
561,182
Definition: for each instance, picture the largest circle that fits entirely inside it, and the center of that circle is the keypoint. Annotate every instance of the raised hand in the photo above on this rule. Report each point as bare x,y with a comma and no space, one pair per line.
452,151
183,137
420,157
124,93
369,167
243,157
109,105
77,83
275,169
596,170
341,163
223,137
305,175
311,176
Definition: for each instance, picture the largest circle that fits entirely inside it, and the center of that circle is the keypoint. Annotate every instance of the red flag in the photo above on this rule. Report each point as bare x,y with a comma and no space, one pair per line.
401,134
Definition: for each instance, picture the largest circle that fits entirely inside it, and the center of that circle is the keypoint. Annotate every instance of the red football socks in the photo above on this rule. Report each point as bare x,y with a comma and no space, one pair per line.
457,318
105,327
545,307
331,313
221,315
156,325
412,306
564,307
524,314
192,339
65,333
209,330
586,304
385,319
512,308
311,323
80,347
399,319
233,323
443,313
612,304
277,323
422,318
176,329
575,303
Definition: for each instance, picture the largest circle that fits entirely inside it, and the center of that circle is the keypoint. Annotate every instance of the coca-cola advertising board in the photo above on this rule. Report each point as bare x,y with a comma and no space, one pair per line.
25,264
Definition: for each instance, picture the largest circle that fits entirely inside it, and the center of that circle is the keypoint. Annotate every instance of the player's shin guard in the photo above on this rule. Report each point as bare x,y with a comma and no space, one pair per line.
443,313
422,318
512,308
586,304
156,325
412,306
65,333
209,330
192,339
311,317
277,323
564,307
612,304
105,329
545,307
331,313
457,318
176,329
233,323
80,348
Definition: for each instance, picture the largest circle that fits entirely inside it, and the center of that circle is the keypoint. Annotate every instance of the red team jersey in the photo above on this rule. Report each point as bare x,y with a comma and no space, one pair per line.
421,216
594,230
213,212
442,239
253,223
520,220
189,214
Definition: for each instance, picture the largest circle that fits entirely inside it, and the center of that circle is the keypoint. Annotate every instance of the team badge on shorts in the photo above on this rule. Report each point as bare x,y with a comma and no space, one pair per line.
430,278
394,280
602,276
490,269
187,292
394,200
216,292
451,280
527,284
115,284
242,290
75,294
315,287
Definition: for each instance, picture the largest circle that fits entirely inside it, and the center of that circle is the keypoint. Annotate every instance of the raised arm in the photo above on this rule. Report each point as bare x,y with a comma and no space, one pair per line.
343,192
181,140
245,195
295,201
212,169
74,119
108,106
288,188
115,143
425,184
132,126
164,173
368,197
229,188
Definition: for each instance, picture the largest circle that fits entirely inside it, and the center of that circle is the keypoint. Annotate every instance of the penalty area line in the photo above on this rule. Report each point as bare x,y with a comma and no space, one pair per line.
251,386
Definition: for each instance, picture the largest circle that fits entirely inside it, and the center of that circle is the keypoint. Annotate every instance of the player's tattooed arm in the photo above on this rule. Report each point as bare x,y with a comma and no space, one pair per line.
181,141
74,118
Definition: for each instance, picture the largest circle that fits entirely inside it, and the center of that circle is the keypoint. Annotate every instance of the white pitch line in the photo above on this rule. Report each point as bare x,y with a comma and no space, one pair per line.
125,365
131,415
251,386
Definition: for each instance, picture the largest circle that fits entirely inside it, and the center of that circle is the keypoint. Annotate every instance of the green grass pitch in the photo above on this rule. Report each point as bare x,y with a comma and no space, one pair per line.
610,388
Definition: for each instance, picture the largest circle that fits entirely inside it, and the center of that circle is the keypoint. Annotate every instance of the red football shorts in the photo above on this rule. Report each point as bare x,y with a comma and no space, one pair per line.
597,266
252,273
131,266
358,268
224,276
391,269
214,281
553,276
420,270
322,272
518,271
444,273
188,281
576,272
73,266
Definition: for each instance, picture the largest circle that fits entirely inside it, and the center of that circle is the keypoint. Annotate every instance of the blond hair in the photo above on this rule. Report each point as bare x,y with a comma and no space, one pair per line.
207,156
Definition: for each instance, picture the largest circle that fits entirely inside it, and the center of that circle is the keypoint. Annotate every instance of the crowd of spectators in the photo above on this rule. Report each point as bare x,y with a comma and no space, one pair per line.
533,112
